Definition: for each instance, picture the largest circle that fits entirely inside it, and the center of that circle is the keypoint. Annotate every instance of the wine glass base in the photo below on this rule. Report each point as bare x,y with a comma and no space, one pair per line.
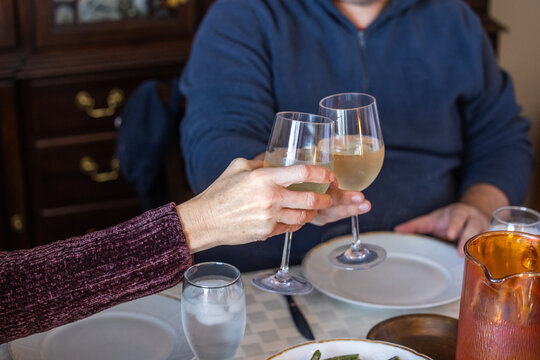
285,285
368,256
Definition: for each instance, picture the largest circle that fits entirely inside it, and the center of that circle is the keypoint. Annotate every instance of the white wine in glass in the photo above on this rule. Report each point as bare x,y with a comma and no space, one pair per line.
358,159
296,138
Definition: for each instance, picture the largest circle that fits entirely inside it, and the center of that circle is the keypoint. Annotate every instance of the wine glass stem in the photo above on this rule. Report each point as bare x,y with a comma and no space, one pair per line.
357,243
283,272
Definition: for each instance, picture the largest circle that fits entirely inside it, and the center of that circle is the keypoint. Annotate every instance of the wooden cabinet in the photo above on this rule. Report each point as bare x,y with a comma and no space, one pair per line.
66,70
74,182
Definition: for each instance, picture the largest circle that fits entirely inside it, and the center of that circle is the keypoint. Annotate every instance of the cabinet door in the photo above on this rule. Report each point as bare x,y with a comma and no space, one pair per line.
7,24
102,22
73,178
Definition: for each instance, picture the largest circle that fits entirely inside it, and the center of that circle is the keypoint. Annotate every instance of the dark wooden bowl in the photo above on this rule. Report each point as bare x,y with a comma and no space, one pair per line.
430,334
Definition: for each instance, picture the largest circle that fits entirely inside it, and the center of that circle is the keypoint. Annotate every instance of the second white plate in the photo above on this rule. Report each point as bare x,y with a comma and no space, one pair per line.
146,328
419,272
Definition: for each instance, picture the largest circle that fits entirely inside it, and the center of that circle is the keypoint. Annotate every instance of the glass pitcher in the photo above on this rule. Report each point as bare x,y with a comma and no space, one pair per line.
499,314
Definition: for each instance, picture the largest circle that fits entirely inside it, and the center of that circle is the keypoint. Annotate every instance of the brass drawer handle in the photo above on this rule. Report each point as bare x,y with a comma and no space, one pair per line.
86,102
90,167
17,223
176,3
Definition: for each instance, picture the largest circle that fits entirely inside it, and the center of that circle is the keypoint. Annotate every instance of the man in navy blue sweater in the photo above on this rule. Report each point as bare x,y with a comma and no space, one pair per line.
456,147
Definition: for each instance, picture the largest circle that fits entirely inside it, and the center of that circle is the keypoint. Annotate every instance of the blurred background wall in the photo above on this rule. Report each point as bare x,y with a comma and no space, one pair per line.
519,54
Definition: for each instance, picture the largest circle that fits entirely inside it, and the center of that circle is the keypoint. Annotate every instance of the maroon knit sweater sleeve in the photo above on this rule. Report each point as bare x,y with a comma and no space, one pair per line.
55,284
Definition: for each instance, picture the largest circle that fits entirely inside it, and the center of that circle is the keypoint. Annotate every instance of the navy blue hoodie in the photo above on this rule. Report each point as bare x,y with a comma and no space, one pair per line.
448,112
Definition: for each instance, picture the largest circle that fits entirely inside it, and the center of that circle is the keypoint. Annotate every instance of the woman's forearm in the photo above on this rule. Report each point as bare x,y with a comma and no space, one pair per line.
55,284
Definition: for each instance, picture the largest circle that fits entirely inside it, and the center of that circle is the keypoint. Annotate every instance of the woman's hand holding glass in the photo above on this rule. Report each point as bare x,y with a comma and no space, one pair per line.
249,202
345,203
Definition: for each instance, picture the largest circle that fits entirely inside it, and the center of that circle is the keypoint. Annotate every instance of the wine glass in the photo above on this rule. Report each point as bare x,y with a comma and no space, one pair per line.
296,138
213,310
516,218
358,158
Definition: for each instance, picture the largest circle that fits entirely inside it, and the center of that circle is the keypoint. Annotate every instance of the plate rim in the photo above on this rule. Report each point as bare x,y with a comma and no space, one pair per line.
371,304
42,335
414,352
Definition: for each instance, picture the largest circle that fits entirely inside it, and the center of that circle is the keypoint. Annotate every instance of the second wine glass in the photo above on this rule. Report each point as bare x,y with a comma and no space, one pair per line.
516,218
296,138
358,158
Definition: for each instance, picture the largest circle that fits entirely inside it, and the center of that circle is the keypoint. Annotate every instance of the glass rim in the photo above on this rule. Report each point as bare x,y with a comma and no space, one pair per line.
525,209
372,103
326,118
192,268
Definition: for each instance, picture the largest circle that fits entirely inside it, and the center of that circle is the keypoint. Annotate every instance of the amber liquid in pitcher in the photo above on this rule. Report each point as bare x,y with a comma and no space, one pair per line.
500,303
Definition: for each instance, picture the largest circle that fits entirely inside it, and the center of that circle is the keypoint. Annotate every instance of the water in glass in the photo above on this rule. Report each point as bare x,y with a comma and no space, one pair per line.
213,315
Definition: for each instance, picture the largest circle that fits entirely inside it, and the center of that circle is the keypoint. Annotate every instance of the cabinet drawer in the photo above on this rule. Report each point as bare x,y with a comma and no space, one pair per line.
77,170
58,107
61,223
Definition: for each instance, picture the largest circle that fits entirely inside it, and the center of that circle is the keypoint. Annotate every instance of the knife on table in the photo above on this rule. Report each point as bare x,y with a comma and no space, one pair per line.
299,319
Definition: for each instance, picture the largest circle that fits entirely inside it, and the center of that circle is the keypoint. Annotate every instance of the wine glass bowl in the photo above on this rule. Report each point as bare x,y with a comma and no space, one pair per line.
296,138
358,158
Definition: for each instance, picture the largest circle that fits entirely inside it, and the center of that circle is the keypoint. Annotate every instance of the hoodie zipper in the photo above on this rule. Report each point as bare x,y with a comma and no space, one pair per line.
363,64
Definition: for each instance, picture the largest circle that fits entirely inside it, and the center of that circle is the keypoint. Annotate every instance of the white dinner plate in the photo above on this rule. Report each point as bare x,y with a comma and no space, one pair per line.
142,329
419,272
366,349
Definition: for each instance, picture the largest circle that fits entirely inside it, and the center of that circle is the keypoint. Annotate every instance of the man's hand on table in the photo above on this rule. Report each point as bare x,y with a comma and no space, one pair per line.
460,221
456,222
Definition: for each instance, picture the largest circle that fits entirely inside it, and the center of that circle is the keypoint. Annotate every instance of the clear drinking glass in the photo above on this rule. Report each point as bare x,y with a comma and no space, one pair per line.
213,310
358,158
296,138
516,218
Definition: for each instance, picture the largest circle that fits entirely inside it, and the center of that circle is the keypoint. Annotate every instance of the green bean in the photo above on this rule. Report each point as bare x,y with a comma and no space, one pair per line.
345,357
317,356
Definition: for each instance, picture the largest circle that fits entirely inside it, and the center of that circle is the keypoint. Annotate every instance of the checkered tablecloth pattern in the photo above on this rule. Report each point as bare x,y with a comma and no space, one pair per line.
270,328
